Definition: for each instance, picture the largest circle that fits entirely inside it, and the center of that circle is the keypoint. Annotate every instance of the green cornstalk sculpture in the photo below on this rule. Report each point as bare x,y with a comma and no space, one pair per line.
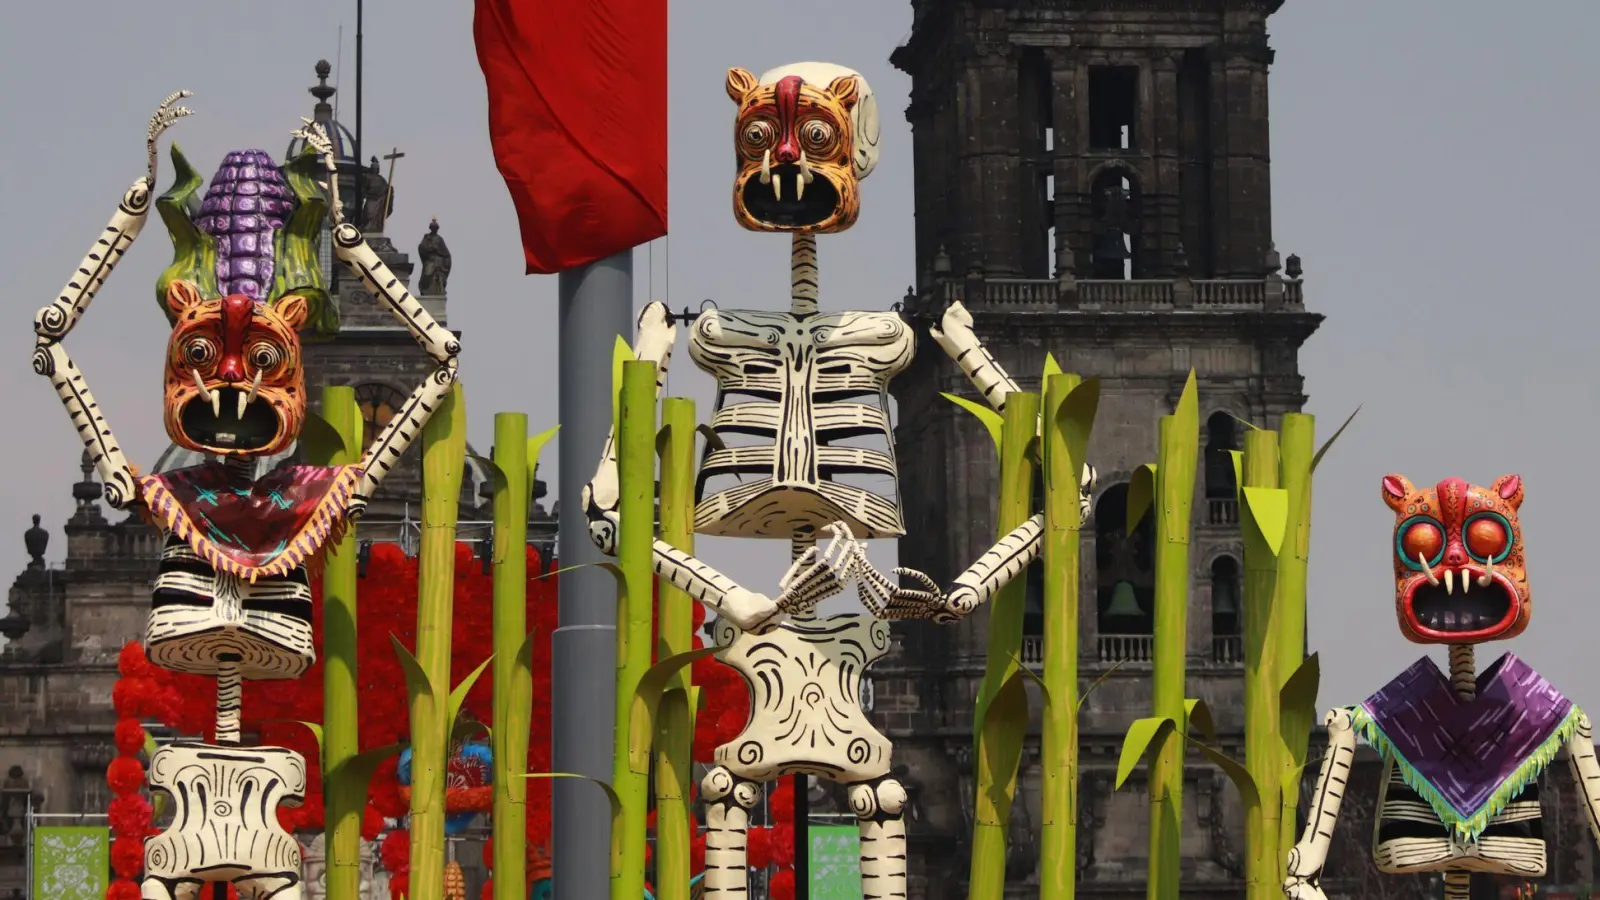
636,439
444,450
999,743
1296,456
509,728
1068,417
345,788
675,725
1263,742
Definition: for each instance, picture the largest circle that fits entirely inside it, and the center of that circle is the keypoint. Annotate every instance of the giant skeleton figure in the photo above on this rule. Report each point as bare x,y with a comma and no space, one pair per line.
232,596
805,382
1462,753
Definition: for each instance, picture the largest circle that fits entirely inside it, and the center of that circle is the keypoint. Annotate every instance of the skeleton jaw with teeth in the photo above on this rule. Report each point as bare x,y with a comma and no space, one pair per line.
1459,570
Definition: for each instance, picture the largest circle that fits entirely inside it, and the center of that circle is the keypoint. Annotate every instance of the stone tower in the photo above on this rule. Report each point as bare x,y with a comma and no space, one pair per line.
1092,182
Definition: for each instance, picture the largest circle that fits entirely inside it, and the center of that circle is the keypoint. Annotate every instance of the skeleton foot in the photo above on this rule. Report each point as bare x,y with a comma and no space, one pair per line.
729,800
880,805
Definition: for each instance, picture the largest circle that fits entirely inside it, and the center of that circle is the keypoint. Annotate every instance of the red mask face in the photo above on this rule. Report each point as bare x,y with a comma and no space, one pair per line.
234,381
1459,573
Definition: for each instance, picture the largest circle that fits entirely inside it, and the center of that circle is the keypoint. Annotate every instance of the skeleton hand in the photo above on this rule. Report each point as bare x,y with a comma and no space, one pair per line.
165,115
1299,885
888,600
316,137
815,577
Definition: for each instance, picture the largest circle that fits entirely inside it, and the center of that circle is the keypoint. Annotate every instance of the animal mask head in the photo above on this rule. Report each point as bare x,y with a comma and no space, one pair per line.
234,382
1460,577
805,136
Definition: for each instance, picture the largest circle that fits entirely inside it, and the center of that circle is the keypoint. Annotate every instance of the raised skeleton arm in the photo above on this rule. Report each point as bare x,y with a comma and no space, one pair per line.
350,246
1307,857
814,577
52,323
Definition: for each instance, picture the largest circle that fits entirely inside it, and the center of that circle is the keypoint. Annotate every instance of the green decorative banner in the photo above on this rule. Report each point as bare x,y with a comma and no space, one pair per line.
835,862
71,863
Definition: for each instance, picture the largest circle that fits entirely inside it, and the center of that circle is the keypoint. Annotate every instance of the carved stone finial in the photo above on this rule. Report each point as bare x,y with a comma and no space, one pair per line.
86,491
1180,260
1273,261
1292,266
36,539
941,262
324,92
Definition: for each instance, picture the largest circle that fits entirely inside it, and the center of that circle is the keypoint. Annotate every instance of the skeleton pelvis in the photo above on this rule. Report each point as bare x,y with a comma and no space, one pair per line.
261,645
225,822
764,508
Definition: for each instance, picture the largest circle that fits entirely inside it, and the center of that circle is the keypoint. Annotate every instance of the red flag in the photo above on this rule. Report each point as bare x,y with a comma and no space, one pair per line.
578,120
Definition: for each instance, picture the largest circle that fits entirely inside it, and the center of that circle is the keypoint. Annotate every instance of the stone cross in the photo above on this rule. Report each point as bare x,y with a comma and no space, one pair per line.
388,195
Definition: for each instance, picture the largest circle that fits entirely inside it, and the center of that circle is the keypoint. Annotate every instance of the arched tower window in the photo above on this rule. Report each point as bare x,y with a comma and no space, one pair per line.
1124,565
1226,599
1114,202
1221,436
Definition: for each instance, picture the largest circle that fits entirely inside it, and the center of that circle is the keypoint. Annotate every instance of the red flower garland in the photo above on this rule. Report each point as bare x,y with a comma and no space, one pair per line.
135,694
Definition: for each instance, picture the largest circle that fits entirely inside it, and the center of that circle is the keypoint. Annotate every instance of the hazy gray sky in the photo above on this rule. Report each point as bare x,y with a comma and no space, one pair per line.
1433,164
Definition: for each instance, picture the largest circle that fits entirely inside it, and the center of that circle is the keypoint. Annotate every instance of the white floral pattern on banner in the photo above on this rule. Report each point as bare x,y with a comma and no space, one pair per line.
71,863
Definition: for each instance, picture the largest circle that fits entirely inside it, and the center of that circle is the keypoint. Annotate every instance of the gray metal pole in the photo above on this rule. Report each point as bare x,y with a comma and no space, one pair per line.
596,305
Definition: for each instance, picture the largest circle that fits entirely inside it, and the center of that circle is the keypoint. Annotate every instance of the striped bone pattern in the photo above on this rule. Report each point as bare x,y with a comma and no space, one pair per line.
1586,771
810,383
391,443
225,823
729,800
52,361
956,338
805,706
803,277
202,620
880,806
1307,858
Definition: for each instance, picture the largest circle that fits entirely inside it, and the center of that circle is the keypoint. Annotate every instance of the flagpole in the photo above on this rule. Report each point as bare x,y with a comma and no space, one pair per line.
595,307
356,150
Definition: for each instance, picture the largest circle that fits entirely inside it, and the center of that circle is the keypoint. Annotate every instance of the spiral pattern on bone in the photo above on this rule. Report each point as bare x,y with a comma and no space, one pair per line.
863,801
717,784
747,794
347,235
50,321
42,363
750,753
137,200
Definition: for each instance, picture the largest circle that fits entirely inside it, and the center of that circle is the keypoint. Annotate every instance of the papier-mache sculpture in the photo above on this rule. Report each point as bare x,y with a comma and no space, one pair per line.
232,596
1463,751
797,386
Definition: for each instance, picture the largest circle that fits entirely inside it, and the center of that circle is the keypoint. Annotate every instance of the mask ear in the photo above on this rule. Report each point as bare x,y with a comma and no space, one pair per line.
1509,489
845,90
1396,488
739,84
293,309
181,297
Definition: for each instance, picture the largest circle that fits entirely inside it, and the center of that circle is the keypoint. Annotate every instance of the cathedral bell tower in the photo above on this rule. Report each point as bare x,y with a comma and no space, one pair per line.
1092,182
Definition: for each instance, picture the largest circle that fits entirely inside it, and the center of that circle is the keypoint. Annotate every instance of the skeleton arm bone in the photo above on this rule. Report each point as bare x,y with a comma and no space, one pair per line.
1586,771
955,336
54,322
1307,857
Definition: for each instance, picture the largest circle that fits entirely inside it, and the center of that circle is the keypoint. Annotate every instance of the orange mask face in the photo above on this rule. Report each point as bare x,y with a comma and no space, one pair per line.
1459,573
234,382
799,166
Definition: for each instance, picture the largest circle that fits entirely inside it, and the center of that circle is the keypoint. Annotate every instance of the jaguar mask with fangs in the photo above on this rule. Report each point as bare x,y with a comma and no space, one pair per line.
1459,572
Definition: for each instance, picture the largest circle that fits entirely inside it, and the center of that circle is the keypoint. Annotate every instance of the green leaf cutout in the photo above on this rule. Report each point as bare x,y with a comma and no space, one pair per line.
1097,682
1142,735
497,475
1297,708
1141,495
1051,367
359,768
613,568
535,447
616,813
458,696
1269,510
1188,409
1237,457
319,440
1004,729
1075,417
1328,444
990,419
1199,716
418,684
1245,422
647,700
1249,796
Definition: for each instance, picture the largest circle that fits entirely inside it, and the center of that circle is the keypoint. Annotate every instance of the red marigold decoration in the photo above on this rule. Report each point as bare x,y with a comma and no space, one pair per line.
125,775
395,852
122,889
399,886
780,802
758,848
129,737
781,885
130,817
783,846
127,856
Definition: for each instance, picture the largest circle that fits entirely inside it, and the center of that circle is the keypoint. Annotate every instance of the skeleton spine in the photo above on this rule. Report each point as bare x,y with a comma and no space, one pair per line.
229,690
803,275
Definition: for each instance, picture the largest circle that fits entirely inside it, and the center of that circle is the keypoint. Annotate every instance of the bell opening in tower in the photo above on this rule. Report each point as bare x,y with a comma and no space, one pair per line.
1113,107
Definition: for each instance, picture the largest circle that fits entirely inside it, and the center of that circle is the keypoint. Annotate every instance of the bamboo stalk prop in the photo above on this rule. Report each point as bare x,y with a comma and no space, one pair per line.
675,728
1265,512
345,788
636,440
1069,409
444,448
1296,707
999,742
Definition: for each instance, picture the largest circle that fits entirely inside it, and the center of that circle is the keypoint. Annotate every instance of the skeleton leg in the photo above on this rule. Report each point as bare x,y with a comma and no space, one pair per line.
1307,857
880,805
955,336
1586,771
729,800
